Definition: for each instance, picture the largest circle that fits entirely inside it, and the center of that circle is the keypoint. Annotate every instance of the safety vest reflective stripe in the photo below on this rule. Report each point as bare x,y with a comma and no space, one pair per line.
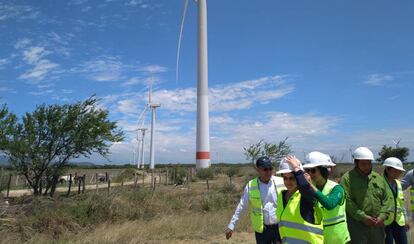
330,221
290,240
334,220
298,226
400,210
412,198
256,206
292,226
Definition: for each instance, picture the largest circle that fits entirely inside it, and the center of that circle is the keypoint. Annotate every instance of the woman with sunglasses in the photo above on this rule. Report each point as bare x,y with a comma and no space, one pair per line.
397,225
331,198
300,218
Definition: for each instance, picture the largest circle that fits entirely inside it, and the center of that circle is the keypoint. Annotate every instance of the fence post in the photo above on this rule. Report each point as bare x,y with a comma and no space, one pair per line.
135,179
96,181
79,185
8,186
70,184
143,178
106,176
83,183
153,186
159,174
109,184
17,180
166,178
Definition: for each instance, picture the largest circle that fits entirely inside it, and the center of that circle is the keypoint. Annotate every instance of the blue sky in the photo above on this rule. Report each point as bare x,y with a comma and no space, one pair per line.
327,74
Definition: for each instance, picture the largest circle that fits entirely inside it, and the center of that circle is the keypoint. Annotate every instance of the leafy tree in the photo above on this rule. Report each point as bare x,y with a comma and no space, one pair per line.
275,151
41,143
232,171
205,174
398,152
252,152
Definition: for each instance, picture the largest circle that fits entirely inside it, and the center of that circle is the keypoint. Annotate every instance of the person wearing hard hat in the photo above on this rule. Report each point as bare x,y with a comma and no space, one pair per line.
408,181
397,226
331,197
367,200
260,194
300,218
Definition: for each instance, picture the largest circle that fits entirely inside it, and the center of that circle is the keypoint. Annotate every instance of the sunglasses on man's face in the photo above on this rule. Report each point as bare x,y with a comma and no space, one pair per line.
312,170
267,169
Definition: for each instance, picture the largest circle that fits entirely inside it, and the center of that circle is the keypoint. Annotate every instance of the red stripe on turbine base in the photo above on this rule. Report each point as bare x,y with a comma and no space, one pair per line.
202,155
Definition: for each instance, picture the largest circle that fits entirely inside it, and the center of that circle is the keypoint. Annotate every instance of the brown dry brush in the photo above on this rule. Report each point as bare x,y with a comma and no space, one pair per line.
55,217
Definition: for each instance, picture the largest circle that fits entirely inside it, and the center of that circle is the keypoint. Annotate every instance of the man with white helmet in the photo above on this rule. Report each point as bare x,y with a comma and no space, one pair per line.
260,196
397,224
367,200
331,197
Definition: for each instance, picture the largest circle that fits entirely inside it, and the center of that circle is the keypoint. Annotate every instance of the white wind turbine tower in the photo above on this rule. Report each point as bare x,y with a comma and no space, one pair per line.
153,107
203,125
141,143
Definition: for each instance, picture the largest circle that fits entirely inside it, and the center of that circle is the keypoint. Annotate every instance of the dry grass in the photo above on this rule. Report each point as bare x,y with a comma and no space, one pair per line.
185,214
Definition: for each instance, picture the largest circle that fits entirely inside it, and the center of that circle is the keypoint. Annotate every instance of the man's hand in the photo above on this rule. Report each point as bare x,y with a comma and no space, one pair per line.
379,222
229,232
370,221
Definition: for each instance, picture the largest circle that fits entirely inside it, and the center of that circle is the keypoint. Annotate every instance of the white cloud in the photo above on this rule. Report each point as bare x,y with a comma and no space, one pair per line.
378,79
21,43
10,11
133,81
7,89
152,69
34,54
229,134
236,96
39,71
42,92
3,62
102,69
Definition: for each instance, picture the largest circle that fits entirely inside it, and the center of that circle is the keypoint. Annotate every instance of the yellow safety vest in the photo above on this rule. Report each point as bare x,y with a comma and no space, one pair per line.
256,206
292,227
398,207
335,228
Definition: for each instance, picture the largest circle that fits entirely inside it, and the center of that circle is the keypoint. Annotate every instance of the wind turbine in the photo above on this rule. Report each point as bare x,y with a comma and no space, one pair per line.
203,125
397,143
142,141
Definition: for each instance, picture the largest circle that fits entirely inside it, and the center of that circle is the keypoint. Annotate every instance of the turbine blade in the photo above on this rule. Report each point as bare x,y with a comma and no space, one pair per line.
180,37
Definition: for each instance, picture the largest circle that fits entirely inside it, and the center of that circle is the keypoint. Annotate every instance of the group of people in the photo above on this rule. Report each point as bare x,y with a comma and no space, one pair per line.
305,206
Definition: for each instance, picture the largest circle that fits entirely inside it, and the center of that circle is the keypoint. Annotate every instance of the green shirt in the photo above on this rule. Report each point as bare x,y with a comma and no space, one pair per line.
333,199
366,196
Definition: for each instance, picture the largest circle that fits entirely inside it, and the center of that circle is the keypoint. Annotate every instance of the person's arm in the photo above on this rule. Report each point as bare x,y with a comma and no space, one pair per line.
387,200
352,208
333,199
241,207
407,180
304,187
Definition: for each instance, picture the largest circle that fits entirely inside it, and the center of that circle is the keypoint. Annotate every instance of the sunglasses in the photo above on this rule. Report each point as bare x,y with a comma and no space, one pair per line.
292,178
267,169
312,170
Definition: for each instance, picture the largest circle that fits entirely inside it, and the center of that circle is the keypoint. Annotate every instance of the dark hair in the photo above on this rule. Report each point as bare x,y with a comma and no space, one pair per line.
386,172
324,171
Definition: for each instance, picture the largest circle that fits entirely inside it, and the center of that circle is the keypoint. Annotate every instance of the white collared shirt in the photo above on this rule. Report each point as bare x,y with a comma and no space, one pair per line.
268,193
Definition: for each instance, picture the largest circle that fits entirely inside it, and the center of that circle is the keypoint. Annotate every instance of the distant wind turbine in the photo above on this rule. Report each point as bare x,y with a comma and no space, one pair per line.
203,125
397,143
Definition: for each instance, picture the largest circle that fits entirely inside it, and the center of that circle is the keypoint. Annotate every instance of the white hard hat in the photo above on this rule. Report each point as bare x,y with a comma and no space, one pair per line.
285,167
363,153
314,159
394,163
